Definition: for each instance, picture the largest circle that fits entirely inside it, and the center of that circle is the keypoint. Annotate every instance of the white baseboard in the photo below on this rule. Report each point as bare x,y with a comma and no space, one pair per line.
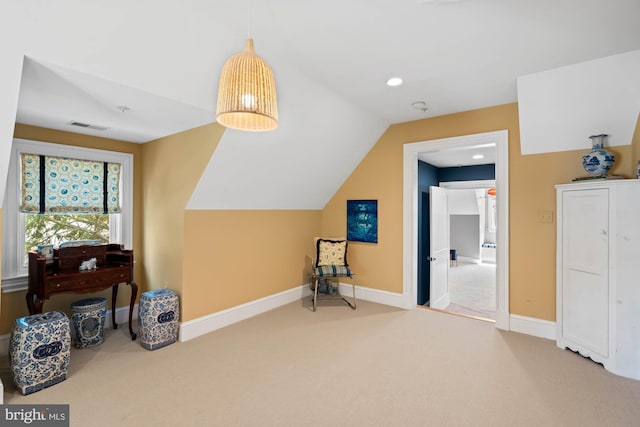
374,295
532,326
211,322
122,318
194,328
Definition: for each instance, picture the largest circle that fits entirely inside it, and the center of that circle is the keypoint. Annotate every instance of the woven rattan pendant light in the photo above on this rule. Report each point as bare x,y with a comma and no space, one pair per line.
247,93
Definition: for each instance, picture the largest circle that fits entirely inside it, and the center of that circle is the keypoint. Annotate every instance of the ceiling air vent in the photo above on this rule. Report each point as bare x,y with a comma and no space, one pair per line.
87,125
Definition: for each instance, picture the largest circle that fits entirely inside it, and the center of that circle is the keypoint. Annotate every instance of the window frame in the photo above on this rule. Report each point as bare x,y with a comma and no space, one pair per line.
14,274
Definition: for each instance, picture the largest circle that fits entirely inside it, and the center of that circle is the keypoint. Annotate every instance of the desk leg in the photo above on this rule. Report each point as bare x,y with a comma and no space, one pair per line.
114,297
134,293
34,304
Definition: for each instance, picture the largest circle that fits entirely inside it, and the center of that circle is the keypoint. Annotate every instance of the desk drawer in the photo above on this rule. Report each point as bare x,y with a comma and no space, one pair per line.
112,276
100,278
62,284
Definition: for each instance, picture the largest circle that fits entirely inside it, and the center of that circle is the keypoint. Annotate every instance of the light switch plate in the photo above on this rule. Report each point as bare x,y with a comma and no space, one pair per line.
545,217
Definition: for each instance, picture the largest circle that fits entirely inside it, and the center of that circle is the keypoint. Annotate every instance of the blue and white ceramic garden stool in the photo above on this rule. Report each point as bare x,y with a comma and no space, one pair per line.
39,351
158,314
88,317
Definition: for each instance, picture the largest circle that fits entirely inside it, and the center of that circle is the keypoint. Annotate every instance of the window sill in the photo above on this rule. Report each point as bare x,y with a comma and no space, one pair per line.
15,284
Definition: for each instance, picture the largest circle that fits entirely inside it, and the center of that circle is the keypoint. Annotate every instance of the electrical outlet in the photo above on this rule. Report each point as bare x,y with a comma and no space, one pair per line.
545,217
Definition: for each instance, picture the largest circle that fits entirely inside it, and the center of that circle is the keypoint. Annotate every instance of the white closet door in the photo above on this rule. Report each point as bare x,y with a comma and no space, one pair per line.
585,273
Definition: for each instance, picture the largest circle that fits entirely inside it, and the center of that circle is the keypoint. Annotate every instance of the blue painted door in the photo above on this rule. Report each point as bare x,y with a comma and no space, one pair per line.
423,248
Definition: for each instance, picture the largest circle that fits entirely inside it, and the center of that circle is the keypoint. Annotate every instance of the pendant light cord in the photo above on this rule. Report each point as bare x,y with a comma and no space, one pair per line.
248,19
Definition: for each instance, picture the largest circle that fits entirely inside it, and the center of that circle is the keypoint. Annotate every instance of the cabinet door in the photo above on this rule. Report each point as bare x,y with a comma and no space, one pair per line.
585,291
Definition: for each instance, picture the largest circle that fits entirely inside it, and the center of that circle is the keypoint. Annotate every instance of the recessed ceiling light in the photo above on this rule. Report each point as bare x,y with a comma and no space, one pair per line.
394,81
477,156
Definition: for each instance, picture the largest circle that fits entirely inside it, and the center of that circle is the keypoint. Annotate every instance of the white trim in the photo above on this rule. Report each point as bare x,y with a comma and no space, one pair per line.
486,183
373,295
532,326
122,317
15,284
211,322
410,209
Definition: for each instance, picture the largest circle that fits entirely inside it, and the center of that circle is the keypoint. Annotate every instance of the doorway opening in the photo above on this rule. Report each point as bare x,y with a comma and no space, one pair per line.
472,240
412,197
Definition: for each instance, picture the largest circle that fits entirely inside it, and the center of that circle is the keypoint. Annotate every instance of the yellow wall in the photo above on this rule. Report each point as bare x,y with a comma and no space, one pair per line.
379,176
172,168
220,259
533,244
531,182
13,305
234,257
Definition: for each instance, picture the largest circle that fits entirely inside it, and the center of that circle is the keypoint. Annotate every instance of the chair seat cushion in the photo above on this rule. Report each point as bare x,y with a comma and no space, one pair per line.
333,271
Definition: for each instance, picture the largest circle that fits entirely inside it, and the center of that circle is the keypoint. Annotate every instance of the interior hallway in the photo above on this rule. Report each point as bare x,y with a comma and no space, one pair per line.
472,289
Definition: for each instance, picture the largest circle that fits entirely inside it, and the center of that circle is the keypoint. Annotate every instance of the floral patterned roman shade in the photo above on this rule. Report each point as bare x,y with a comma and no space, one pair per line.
60,185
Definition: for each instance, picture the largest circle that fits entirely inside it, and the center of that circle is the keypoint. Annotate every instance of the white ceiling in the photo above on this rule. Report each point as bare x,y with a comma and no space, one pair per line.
331,59
453,55
54,97
461,156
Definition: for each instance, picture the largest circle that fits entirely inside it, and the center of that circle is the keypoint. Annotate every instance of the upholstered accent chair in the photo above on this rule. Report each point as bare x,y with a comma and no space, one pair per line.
330,264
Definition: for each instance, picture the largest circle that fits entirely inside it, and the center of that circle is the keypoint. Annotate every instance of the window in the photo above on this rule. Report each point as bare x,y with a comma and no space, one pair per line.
53,229
23,231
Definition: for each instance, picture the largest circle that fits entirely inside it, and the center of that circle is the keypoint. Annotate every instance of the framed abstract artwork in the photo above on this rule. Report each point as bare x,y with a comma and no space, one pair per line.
362,221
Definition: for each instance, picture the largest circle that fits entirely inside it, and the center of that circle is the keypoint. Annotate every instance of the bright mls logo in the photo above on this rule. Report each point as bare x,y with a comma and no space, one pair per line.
34,415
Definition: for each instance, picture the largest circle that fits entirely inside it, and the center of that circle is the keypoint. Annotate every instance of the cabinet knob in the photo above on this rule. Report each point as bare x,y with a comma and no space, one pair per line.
603,232
57,285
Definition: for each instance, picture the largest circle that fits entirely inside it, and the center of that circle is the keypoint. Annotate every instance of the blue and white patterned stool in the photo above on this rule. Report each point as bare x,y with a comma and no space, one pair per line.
88,317
39,351
158,314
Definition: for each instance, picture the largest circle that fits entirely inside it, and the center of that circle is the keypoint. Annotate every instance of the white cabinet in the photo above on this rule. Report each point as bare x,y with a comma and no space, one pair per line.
598,273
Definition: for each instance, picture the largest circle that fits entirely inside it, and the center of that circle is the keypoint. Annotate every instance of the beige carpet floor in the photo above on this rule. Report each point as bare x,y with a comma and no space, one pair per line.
375,366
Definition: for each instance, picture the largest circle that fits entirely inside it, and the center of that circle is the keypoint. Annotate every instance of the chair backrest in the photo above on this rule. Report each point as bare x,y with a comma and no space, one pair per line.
330,251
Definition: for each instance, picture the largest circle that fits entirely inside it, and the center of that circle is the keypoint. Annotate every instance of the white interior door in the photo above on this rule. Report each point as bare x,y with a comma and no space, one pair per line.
438,247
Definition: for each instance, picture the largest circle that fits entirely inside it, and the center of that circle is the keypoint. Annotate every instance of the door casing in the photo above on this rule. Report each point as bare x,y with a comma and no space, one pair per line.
410,216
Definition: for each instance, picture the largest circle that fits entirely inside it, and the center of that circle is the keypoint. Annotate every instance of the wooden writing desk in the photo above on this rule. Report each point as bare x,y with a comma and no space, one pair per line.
61,275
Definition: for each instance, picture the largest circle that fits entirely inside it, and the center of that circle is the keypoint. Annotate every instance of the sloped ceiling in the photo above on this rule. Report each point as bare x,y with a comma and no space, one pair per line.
331,60
560,108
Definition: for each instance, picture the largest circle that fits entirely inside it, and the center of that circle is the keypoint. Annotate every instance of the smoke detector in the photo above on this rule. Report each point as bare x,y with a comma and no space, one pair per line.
420,105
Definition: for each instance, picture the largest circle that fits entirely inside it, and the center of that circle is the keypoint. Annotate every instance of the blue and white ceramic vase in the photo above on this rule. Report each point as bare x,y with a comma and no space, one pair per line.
598,161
